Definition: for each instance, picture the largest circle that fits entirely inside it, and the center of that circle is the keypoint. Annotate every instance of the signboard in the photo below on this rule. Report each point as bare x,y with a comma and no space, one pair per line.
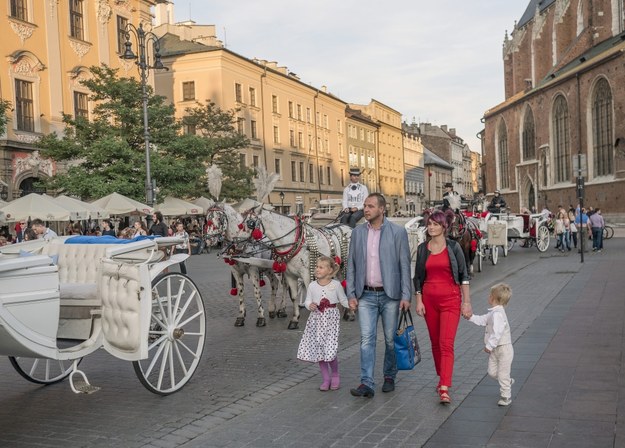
580,168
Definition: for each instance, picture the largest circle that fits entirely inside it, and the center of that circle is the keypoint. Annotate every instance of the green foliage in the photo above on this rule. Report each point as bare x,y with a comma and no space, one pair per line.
4,106
107,153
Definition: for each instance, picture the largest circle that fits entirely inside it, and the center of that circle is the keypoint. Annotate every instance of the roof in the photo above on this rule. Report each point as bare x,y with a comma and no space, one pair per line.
432,159
528,15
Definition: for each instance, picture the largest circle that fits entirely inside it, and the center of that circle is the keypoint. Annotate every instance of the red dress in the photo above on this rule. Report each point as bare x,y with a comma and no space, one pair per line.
442,299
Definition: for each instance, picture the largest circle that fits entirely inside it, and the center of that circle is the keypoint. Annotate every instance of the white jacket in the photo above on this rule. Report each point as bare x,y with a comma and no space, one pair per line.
497,328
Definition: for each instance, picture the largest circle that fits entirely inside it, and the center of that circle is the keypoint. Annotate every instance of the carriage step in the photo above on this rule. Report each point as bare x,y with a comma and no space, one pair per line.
85,388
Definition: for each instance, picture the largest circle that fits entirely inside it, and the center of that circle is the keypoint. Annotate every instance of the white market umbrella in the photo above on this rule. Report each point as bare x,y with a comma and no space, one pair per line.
177,207
34,206
118,204
76,214
90,210
205,203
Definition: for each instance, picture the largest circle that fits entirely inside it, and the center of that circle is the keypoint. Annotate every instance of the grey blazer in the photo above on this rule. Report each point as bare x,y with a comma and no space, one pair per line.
394,261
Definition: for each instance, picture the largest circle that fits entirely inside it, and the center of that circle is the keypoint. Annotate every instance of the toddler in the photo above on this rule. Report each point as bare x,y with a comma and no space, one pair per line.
320,340
497,340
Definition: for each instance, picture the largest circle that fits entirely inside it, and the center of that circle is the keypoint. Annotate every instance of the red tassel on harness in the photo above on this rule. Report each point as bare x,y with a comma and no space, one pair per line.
257,234
234,291
209,222
473,245
337,260
261,283
283,267
276,267
478,233
227,260
344,284
240,226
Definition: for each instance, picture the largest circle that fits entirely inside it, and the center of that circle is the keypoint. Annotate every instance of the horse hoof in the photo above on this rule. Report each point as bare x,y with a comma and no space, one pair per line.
239,322
293,325
352,317
281,313
272,314
260,322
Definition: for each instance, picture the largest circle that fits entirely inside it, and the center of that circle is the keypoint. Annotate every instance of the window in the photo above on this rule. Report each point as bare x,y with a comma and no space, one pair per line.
238,93
290,109
299,112
294,171
529,136
502,139
241,125
276,166
188,129
321,175
122,23
292,138
255,161
311,173
318,119
561,144
276,135
602,129
81,105
24,111
301,172
77,26
329,175
274,104
339,126
253,130
19,10
325,121
308,115
300,139
188,90
252,96
242,161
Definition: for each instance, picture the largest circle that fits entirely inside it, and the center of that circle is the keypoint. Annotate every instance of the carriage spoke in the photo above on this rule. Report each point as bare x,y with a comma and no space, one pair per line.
191,352
33,368
178,297
184,308
169,299
161,372
172,377
159,341
158,321
182,324
162,311
180,360
154,360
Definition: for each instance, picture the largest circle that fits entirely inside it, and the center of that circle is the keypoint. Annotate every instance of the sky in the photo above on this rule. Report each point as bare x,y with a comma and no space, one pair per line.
434,61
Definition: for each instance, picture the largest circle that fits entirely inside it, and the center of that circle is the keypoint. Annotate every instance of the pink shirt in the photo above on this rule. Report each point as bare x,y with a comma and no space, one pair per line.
373,275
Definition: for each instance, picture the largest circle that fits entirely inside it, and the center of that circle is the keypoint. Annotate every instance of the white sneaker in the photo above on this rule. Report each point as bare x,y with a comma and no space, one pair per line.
504,401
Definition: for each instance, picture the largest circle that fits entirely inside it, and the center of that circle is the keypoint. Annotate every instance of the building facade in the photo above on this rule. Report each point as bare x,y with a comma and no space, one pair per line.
438,172
414,159
563,109
362,147
49,47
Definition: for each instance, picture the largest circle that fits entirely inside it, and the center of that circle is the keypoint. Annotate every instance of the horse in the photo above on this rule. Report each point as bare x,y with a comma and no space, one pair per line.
296,247
228,222
467,233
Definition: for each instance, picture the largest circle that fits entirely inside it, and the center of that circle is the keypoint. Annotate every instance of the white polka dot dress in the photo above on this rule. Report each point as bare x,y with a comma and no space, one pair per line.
321,336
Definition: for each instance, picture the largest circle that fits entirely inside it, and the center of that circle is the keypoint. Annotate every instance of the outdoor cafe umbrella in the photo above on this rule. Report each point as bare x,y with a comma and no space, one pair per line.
118,204
205,203
177,207
90,210
34,206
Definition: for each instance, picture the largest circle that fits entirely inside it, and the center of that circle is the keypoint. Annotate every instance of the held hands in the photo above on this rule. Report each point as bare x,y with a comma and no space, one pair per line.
312,306
353,304
487,350
467,310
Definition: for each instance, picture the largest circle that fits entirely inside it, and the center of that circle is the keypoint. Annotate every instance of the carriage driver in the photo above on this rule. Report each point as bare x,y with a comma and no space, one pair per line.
451,198
497,203
354,197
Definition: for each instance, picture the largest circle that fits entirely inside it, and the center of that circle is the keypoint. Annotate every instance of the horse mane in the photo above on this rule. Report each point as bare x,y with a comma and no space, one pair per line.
215,177
264,183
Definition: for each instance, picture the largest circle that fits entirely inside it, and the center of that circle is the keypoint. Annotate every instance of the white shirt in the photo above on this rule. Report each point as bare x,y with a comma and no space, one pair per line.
354,195
333,291
49,234
497,328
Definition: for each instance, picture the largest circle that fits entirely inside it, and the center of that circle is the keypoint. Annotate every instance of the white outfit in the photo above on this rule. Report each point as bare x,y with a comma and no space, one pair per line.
49,234
497,339
320,340
354,196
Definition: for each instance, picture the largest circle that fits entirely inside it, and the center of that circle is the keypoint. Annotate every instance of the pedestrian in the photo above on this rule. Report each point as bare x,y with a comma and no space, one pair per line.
559,229
378,285
572,225
442,290
596,224
497,340
159,228
320,340
354,196
139,228
29,234
42,230
107,228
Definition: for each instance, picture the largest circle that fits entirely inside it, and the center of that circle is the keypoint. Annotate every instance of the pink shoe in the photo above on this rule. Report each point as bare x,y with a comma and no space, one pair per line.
324,386
335,383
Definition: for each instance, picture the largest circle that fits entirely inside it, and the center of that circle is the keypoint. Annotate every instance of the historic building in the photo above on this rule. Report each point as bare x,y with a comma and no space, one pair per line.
414,157
362,147
564,108
48,47
438,172
295,130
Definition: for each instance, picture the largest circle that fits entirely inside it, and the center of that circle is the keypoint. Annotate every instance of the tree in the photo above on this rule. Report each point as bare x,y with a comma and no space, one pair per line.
4,106
107,153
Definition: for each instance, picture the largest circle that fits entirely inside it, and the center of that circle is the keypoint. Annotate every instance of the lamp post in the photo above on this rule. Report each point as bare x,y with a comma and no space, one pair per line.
142,61
282,201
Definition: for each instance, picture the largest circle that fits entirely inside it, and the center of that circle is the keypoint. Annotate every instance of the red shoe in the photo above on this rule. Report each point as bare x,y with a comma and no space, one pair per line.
444,396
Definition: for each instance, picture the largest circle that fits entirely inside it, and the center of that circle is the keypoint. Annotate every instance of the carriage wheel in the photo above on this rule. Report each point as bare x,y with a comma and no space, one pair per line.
480,255
510,245
608,232
42,370
494,254
176,335
542,238
505,248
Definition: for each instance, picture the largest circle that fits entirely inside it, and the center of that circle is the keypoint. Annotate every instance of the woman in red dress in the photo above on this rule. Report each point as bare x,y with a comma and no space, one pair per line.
442,293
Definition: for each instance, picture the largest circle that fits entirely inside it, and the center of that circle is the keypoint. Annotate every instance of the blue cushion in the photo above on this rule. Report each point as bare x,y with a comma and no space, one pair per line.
106,239
25,253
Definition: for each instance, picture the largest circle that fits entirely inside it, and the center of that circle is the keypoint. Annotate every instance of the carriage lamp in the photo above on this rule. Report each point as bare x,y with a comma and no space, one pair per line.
143,63
282,200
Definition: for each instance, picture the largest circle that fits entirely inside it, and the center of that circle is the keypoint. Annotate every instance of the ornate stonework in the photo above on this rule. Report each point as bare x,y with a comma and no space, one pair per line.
561,8
23,162
23,65
22,29
539,23
513,45
123,5
27,138
79,48
104,11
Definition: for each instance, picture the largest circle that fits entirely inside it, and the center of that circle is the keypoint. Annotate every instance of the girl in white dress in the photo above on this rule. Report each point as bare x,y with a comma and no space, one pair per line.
320,340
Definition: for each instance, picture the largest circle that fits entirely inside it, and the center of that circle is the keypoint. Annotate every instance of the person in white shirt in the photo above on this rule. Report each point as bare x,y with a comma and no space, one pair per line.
497,340
354,196
42,231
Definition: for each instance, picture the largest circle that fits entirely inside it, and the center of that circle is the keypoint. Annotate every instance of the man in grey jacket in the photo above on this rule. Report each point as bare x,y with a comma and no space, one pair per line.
378,285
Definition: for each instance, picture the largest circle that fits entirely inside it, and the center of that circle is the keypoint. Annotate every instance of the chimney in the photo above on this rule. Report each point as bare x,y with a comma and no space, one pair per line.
444,127
324,89
452,131
164,13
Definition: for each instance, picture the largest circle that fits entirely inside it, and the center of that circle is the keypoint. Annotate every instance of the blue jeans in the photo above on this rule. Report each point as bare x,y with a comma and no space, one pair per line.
371,306
597,238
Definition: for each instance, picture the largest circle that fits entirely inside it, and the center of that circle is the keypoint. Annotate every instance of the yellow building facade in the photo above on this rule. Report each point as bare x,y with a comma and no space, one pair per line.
295,130
48,47
362,147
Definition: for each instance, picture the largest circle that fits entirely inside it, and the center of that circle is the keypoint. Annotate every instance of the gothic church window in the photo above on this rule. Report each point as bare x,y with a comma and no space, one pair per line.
529,136
502,140
561,140
602,129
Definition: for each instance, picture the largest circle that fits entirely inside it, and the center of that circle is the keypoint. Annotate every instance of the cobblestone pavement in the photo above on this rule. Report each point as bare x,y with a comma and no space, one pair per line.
249,389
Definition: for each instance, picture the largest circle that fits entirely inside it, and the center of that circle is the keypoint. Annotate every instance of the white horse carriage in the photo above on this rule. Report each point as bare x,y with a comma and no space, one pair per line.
494,235
61,301
532,228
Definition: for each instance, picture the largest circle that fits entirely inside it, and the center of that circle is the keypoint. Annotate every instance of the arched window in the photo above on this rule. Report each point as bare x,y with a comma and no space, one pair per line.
529,136
502,140
602,129
561,142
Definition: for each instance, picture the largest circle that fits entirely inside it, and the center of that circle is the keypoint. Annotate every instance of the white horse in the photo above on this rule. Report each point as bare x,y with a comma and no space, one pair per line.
239,245
296,247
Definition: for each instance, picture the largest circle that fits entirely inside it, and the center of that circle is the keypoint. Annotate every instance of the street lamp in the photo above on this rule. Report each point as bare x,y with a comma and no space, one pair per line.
142,62
282,200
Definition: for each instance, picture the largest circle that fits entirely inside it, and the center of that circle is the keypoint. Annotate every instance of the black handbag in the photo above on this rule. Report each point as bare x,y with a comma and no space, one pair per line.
407,350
